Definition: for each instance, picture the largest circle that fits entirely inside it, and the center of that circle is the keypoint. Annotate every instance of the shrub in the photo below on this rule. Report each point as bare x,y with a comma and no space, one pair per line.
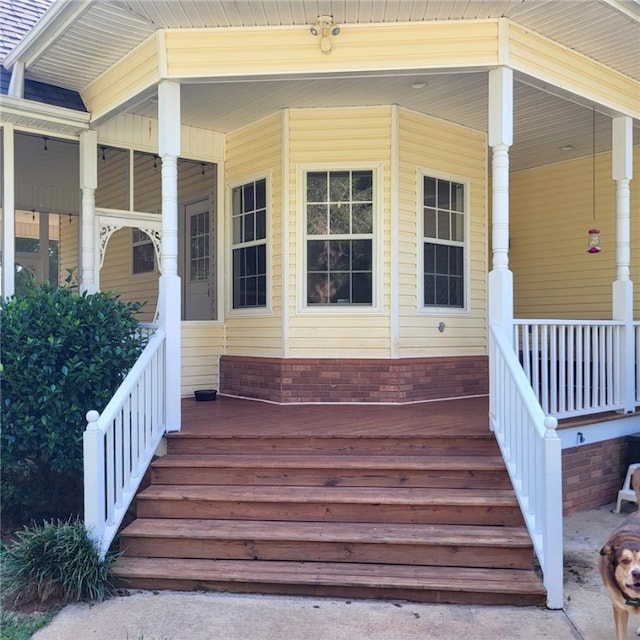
54,561
62,353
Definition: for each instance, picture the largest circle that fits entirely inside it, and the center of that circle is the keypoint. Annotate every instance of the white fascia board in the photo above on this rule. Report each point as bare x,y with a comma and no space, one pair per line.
630,8
54,22
46,116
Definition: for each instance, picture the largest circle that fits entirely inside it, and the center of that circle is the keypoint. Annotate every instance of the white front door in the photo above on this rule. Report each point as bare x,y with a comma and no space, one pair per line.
199,294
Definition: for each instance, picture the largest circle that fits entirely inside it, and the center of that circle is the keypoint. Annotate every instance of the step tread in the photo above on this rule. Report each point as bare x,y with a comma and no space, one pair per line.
351,532
345,461
344,495
380,576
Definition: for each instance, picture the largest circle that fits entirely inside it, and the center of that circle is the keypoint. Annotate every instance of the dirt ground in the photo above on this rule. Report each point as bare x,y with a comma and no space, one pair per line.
586,601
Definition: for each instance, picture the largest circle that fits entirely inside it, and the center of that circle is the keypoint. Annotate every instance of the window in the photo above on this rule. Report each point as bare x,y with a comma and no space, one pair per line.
143,252
199,254
443,242
339,228
249,219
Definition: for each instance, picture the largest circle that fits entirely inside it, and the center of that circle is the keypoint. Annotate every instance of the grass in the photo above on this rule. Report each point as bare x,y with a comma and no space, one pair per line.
21,626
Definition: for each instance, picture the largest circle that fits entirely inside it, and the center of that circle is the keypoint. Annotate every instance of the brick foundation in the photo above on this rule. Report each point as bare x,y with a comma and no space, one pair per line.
593,474
329,380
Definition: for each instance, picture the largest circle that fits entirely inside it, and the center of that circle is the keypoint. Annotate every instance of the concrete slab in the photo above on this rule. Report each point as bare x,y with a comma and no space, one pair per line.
211,616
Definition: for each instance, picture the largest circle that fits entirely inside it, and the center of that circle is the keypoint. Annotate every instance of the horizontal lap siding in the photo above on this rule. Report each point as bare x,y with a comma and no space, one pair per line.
451,152
337,138
116,275
202,343
229,52
255,152
68,250
551,212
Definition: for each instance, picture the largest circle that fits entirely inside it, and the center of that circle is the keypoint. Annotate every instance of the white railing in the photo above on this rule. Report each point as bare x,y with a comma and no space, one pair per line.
573,366
532,452
120,442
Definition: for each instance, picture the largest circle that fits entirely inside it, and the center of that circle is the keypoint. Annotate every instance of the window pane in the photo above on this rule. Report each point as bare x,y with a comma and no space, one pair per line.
362,291
339,218
261,194
429,187
317,220
362,187
261,225
362,218
339,188
457,227
444,230
317,252
316,187
248,196
362,256
443,194
340,255
430,223
457,196
340,288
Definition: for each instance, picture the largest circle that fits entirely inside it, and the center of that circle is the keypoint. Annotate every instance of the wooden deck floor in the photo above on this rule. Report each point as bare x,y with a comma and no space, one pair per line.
234,416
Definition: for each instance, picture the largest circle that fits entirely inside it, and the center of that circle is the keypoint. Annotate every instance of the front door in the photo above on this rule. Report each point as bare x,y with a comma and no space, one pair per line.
199,294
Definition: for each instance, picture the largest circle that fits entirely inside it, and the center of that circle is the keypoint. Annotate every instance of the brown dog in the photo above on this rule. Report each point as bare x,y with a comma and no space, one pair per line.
620,566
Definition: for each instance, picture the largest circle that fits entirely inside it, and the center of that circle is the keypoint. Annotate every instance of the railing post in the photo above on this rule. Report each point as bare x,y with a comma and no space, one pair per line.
94,483
553,524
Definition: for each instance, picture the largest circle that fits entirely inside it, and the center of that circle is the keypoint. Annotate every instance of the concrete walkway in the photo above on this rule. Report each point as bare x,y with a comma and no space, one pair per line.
198,616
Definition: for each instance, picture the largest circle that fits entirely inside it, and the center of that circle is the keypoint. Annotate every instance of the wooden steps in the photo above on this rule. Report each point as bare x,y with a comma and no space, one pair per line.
429,519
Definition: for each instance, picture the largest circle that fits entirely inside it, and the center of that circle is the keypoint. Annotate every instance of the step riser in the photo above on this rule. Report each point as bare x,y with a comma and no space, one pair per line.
314,551
425,595
334,446
332,478
331,512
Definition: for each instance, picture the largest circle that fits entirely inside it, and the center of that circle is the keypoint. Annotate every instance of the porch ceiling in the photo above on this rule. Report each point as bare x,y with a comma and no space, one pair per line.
84,31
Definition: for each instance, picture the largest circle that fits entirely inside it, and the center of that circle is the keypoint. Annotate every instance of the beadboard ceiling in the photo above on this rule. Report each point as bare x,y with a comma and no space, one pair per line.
606,30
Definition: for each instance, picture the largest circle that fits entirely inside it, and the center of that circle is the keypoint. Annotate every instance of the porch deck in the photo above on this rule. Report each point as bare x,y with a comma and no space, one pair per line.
467,417
408,502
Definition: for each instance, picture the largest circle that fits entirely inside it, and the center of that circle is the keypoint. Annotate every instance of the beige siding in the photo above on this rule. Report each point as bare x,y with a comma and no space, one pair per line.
116,275
128,130
452,152
136,72
229,52
551,212
69,248
335,138
573,72
254,152
202,344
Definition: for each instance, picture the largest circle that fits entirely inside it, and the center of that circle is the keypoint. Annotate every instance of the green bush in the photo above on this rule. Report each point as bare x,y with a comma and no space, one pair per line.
62,353
54,561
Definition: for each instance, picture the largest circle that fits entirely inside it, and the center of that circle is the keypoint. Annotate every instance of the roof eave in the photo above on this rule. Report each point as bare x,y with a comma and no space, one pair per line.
55,21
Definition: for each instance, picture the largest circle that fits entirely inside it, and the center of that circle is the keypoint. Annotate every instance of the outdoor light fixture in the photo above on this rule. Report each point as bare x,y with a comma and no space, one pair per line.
324,28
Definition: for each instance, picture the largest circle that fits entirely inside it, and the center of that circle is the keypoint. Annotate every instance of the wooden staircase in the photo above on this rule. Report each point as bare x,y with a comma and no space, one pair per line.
421,518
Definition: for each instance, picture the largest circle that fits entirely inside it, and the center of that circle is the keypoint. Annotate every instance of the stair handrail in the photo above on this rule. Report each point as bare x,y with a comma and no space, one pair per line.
119,443
532,452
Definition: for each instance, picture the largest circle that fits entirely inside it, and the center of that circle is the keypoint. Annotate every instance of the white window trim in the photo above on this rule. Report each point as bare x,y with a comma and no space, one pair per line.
377,242
139,243
422,173
249,311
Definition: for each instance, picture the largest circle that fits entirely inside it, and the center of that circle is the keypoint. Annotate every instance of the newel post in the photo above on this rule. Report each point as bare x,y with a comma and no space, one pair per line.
94,478
552,535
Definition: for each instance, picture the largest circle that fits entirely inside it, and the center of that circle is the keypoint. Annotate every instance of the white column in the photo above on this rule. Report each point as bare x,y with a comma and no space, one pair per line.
500,283
7,286
622,173
170,302
88,185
